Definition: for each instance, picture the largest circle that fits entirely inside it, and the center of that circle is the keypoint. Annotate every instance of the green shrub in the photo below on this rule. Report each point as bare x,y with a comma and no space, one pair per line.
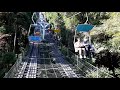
2,29
9,58
101,73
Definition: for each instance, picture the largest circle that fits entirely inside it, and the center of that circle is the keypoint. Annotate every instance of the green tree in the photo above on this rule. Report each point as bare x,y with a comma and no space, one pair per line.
15,23
8,58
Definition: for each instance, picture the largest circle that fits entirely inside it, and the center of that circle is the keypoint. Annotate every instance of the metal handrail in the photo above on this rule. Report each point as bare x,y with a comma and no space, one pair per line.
14,68
79,61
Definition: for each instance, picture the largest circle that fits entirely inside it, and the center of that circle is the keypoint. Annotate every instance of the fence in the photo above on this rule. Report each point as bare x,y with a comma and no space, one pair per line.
84,66
14,68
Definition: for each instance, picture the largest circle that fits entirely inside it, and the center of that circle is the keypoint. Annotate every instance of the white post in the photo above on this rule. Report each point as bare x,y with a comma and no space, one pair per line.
74,36
89,37
97,72
15,39
87,17
43,31
29,30
32,18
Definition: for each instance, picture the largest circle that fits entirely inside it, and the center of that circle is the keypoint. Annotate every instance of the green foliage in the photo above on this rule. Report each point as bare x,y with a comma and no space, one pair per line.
15,22
115,43
6,60
109,32
52,17
96,17
101,73
109,59
2,29
101,37
9,58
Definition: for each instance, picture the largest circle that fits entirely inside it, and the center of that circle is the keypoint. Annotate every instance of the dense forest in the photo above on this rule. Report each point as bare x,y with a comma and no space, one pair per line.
13,37
105,36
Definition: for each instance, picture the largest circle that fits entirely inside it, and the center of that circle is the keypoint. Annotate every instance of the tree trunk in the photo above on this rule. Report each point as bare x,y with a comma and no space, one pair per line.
15,39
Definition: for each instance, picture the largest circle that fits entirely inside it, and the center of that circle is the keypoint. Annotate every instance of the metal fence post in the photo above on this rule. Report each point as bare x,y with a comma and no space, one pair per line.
97,72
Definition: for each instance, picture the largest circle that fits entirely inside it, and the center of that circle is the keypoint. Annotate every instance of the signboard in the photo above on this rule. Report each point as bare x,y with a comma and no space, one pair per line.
35,38
84,27
57,30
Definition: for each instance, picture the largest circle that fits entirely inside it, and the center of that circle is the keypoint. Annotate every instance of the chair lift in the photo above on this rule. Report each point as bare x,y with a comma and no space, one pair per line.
84,28
40,26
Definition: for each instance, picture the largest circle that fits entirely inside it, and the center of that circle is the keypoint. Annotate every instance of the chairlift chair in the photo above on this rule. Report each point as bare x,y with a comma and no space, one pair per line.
40,26
84,28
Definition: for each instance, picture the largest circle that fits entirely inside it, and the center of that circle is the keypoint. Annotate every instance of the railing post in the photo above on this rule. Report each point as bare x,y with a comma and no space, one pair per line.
97,72
77,60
